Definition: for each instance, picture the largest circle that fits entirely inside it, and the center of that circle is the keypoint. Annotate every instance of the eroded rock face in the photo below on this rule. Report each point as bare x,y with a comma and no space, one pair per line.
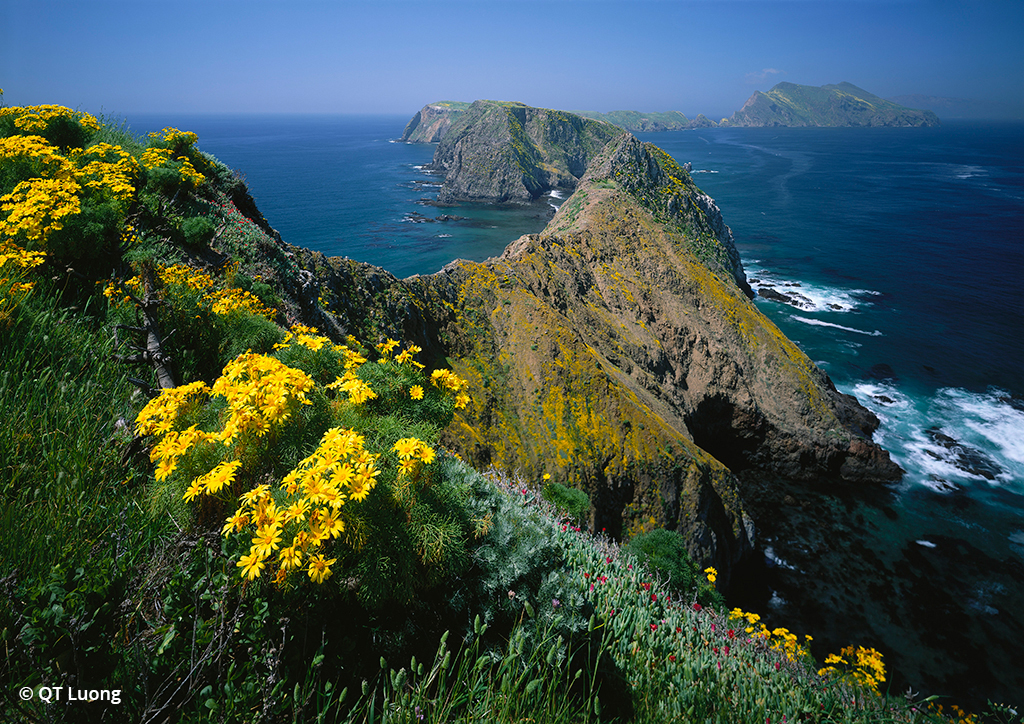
512,153
620,352
432,121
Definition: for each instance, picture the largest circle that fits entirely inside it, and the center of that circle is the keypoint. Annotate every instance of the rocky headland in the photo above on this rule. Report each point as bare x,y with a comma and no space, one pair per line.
512,153
617,350
432,121
843,104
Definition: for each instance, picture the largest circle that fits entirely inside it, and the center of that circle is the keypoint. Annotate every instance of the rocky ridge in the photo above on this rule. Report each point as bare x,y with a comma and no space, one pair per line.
619,351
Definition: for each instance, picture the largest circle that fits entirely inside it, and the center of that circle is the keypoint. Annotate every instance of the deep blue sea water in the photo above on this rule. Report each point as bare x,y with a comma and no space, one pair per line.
906,248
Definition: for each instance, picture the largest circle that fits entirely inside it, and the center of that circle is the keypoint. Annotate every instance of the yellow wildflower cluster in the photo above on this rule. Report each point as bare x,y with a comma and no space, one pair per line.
221,301
176,138
780,639
226,301
308,337
177,142
159,415
38,207
448,380
36,118
153,157
14,262
755,628
100,172
862,665
261,391
358,391
38,150
412,453
712,574
339,470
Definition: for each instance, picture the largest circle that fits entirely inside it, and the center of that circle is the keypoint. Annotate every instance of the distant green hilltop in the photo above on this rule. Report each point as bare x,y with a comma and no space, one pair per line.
786,104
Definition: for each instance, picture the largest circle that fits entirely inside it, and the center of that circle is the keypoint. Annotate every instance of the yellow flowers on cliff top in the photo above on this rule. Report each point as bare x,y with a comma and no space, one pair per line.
862,665
37,118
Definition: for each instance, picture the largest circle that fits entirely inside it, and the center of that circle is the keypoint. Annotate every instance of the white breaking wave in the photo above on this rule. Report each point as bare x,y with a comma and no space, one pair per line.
819,323
805,296
952,438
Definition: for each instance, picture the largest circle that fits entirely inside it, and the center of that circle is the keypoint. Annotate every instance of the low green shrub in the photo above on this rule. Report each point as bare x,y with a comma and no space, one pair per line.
570,502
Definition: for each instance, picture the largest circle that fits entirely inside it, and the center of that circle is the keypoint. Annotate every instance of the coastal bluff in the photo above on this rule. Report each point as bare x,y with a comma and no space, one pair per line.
619,351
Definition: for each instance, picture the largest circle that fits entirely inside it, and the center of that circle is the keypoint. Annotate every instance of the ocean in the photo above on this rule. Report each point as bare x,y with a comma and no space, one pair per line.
892,257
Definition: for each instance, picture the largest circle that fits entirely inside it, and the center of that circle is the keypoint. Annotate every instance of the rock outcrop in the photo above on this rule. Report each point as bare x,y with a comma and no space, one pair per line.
789,104
512,153
432,121
619,351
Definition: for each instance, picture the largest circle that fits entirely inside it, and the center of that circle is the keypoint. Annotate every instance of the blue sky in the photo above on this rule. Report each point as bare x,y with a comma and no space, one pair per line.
354,56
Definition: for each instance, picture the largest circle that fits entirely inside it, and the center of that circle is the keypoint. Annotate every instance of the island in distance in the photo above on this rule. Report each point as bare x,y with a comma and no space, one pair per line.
786,104
789,104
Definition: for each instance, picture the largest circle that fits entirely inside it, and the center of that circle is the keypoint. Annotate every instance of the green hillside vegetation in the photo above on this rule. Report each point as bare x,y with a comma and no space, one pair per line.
637,122
844,104
223,508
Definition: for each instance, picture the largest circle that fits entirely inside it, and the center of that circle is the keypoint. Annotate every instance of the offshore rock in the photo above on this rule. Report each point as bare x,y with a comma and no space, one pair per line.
512,153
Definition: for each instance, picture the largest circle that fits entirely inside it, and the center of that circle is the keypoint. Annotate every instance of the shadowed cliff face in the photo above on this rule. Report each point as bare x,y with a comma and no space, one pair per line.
619,351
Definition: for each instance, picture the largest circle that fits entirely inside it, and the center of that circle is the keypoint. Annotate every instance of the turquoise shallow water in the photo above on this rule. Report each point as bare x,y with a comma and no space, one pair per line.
901,252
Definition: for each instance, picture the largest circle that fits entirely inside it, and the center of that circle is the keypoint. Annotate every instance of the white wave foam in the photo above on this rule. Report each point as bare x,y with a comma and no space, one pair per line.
805,296
703,170
952,438
819,323
926,543
556,194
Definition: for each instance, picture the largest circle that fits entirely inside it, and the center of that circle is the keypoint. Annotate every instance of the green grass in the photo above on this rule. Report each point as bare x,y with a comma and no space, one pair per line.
66,407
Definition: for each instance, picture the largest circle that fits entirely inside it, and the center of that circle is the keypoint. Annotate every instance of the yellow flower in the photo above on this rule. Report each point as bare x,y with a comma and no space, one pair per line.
251,565
267,540
319,568
333,526
416,392
290,557
712,574
236,522
194,490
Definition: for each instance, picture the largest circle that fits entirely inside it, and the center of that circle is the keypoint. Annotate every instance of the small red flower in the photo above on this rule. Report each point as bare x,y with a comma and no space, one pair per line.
697,607
654,627
679,629
731,633
608,559
726,650
586,575
715,649
654,597
647,586
672,657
